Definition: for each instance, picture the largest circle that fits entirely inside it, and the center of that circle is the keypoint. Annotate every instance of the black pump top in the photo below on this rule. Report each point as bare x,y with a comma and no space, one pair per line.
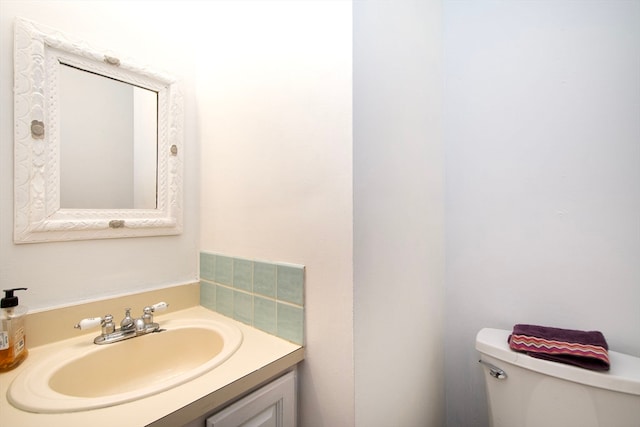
9,300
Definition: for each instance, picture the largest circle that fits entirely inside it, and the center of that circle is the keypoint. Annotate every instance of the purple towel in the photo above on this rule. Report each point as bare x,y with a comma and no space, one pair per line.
586,349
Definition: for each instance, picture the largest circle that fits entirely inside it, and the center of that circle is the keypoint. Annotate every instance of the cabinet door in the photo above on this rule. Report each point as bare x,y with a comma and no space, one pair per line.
273,405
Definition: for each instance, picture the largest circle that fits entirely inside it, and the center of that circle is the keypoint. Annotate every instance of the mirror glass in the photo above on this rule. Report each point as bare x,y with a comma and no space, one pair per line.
108,142
97,142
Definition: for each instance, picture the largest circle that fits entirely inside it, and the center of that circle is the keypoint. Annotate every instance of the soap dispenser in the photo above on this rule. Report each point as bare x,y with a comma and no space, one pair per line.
13,349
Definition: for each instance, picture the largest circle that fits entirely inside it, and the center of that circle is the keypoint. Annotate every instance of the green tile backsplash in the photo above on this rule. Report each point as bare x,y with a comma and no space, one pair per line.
224,301
289,317
264,279
264,314
289,280
243,307
243,274
268,296
223,270
207,266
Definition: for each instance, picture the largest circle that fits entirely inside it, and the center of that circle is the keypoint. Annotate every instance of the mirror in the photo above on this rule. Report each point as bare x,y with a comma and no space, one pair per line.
108,143
98,142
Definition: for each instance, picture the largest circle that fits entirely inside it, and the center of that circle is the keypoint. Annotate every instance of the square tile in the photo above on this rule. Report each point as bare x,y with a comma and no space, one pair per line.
207,266
267,296
264,279
264,315
224,270
224,301
290,323
208,295
290,284
242,274
243,307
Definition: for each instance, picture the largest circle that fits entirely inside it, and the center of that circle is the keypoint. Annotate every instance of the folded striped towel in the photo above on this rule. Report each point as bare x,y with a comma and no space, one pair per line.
586,349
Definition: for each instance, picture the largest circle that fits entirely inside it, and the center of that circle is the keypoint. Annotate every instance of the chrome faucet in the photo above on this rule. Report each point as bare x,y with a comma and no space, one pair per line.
129,327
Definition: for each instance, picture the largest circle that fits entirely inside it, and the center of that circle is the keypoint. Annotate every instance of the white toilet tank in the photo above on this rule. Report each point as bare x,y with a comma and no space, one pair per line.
523,391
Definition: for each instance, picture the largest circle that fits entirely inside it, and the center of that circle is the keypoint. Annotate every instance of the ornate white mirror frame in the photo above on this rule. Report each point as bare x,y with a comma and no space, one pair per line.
38,52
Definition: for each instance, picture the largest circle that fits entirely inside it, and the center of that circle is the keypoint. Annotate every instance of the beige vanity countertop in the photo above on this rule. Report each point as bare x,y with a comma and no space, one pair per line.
260,358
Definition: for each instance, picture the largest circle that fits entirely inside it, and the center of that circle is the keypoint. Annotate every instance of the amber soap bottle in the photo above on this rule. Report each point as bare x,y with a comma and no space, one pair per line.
13,347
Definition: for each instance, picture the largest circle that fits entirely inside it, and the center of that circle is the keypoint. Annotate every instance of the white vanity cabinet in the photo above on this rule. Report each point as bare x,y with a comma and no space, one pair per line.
273,405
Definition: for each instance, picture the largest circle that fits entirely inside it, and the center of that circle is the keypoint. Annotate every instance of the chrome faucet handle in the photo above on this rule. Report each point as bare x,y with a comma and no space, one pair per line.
148,311
108,327
147,316
105,322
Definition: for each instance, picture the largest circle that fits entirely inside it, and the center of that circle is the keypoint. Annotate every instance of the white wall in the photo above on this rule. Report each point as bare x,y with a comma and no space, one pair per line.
67,272
542,137
398,214
274,92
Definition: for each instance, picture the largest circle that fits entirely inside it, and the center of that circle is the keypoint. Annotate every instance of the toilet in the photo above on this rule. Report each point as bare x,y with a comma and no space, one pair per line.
523,391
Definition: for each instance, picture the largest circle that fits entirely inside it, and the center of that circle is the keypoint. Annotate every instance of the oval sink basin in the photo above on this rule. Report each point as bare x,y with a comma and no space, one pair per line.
87,376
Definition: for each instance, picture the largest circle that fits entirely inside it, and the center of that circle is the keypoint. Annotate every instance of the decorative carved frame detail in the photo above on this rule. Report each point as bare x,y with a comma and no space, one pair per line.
38,216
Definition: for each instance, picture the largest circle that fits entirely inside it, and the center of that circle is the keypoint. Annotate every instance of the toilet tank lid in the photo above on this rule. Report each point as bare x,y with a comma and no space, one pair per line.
624,375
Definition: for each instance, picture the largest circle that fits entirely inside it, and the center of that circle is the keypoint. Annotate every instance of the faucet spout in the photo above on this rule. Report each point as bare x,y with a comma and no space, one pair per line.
127,323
